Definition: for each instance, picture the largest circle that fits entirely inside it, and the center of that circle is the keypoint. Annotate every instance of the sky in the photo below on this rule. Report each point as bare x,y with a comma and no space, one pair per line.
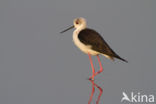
38,65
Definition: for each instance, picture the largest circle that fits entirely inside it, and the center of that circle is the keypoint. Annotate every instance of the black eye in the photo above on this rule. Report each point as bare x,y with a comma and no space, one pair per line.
77,22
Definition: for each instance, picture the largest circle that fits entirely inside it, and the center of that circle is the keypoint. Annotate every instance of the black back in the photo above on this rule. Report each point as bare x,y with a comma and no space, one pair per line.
93,38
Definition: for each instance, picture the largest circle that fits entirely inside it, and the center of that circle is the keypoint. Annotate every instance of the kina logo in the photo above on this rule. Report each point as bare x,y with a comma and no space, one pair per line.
137,97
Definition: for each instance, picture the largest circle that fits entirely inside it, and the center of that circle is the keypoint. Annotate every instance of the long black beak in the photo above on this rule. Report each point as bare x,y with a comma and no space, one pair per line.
67,29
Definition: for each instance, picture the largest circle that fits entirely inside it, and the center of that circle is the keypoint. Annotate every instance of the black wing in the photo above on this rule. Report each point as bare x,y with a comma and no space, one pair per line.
93,38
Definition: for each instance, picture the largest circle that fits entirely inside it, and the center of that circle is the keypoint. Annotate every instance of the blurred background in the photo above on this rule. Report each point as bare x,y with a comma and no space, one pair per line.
38,65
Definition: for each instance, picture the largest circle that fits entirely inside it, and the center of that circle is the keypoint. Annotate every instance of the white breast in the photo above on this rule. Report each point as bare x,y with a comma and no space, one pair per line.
84,48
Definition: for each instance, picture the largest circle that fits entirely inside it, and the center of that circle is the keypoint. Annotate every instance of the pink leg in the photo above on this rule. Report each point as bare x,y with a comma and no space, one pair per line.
93,90
101,68
101,91
93,70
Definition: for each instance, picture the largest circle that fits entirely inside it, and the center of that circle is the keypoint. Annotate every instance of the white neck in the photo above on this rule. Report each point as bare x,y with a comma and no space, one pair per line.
80,28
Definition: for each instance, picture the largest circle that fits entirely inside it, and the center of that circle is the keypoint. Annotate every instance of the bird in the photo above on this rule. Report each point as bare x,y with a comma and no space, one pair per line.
92,43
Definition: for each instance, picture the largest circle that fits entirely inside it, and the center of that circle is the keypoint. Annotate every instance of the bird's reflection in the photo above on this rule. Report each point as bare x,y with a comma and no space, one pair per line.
94,85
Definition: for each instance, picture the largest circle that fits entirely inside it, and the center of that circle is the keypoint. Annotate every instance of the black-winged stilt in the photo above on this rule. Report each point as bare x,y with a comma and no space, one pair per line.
90,42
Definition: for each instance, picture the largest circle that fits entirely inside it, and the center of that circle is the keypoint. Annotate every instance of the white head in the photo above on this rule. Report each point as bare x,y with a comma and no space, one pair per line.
79,23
